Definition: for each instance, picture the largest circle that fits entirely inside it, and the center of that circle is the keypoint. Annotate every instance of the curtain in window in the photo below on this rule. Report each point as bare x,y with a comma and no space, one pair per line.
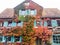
13,24
5,23
54,23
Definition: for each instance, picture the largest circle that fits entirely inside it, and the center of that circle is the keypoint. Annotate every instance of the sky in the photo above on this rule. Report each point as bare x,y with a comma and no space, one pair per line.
44,3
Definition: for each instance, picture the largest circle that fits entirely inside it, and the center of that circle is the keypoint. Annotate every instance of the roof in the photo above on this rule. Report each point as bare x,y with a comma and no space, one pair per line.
7,13
32,5
51,12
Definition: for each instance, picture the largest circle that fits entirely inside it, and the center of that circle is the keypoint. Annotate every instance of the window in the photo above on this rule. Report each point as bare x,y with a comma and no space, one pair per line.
17,38
27,12
13,24
56,38
20,24
49,22
54,23
58,21
33,12
5,23
0,38
22,12
9,38
9,23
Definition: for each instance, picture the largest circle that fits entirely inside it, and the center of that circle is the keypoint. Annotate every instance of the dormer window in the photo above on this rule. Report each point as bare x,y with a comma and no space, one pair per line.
33,12
27,12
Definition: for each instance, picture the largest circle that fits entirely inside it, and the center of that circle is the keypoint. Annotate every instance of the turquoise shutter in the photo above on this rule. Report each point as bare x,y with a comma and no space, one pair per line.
12,39
35,23
13,24
20,24
20,39
5,24
0,38
54,23
3,40
45,23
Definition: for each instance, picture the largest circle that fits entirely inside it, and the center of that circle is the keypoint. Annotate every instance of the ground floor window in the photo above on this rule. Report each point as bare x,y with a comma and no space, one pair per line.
56,38
17,38
1,39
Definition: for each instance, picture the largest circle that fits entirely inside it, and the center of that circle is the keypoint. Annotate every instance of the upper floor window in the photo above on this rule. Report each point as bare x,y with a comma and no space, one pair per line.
33,12
5,23
9,23
49,22
27,12
22,12
54,23
20,24
58,22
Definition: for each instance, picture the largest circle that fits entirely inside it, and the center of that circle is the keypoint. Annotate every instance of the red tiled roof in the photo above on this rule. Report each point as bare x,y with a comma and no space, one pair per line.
7,13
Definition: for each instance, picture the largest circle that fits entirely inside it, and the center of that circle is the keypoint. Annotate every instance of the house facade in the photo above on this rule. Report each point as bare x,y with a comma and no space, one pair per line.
28,7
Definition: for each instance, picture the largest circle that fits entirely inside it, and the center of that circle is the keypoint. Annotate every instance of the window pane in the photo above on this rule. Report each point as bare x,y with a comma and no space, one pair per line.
56,38
20,24
13,24
33,12
54,23
49,22
22,12
27,12
9,38
5,23
17,38
58,21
